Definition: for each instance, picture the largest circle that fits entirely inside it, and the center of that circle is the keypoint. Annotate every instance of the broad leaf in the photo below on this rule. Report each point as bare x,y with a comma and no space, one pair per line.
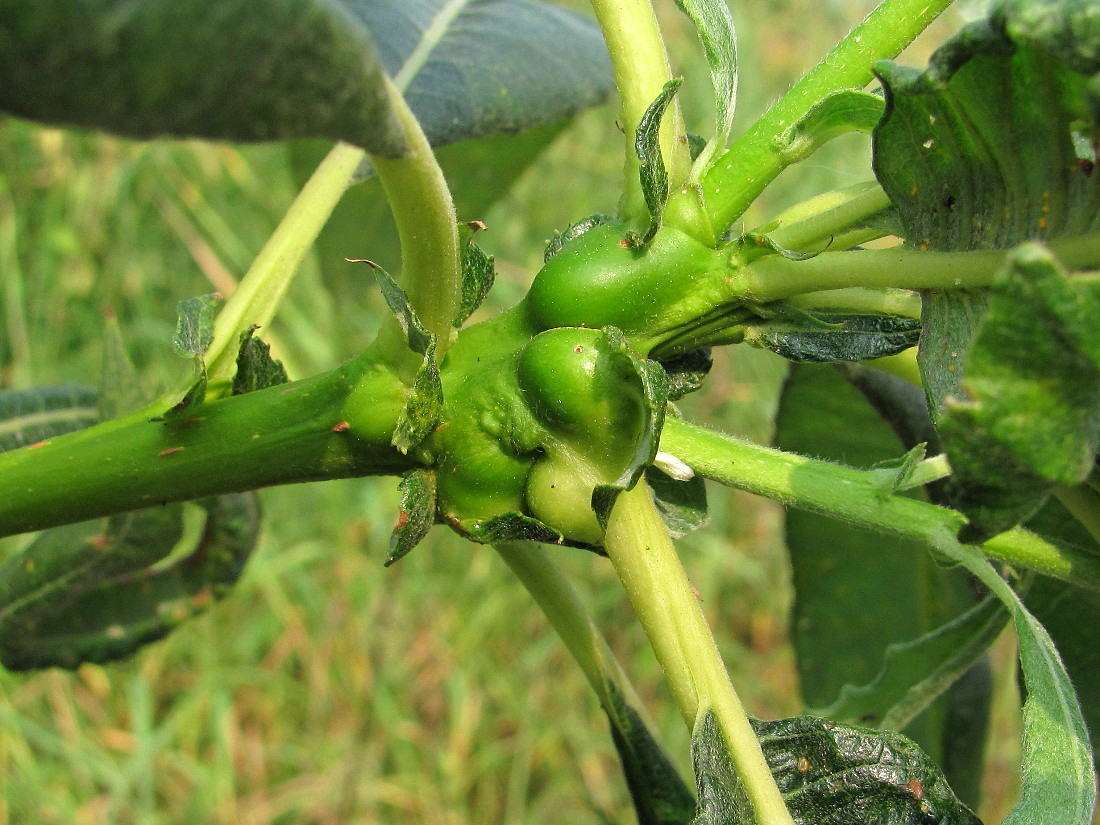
417,514
714,25
30,416
829,774
1027,415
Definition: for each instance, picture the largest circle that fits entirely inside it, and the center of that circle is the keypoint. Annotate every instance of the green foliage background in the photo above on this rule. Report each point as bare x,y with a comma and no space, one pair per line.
327,689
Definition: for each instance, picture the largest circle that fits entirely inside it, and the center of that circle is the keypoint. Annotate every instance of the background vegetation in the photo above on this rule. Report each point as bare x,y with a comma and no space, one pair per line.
327,689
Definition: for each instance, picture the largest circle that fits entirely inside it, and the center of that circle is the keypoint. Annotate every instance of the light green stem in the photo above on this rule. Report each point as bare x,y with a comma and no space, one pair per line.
641,68
658,588
755,159
828,215
901,302
857,497
261,289
426,225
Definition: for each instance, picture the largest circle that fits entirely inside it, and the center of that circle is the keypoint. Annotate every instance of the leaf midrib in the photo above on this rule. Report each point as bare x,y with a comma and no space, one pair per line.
432,36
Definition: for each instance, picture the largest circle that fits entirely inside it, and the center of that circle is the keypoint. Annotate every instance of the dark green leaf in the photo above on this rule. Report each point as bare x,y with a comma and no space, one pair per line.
950,318
508,527
659,794
119,389
256,369
681,504
651,163
892,700
194,396
417,335
722,797
195,325
417,514
714,25
424,407
686,372
856,592
97,591
478,274
824,337
1027,417
558,242
31,416
849,110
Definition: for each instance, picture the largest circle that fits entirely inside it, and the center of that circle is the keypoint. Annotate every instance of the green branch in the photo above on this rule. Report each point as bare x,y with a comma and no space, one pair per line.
754,160
858,497
658,588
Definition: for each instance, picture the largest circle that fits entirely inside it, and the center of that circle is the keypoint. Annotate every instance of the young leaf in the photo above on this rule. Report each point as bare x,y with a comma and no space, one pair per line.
842,112
31,416
478,274
508,527
825,337
681,504
424,407
1028,414
417,515
417,335
829,774
687,371
714,25
558,242
256,369
651,163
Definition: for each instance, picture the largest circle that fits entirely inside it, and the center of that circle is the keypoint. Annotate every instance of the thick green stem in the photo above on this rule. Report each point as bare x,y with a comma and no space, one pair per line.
658,588
261,289
755,159
641,69
333,425
426,224
856,299
857,497
774,277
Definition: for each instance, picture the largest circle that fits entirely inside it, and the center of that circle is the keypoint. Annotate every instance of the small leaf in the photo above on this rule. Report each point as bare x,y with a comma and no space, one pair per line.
194,396
417,335
558,242
917,672
682,505
508,527
1028,414
849,110
687,372
478,274
824,337
651,163
714,25
32,416
195,325
424,407
417,515
256,369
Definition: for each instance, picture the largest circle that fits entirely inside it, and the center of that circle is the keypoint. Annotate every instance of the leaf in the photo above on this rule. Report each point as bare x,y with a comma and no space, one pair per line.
256,369
848,110
651,164
478,274
95,592
1058,771
416,334
417,514
682,505
425,406
659,794
195,325
1027,417
892,699
32,416
828,774
508,527
687,371
559,241
950,318
857,592
823,337
714,25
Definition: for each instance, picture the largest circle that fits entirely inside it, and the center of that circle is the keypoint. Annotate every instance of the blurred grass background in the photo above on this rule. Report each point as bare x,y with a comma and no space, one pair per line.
328,689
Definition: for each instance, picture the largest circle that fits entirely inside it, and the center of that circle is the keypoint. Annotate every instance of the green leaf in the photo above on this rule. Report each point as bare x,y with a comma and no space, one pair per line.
682,505
31,416
856,591
659,794
425,406
195,325
714,25
97,591
508,527
1027,417
417,514
941,657
256,369
416,334
829,774
558,242
1059,782
824,337
950,318
687,372
478,274
849,110
651,163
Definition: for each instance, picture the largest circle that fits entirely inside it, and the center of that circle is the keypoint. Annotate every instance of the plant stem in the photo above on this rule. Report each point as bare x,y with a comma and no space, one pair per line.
774,277
426,225
858,497
261,289
334,425
754,160
901,302
835,215
658,588
641,68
